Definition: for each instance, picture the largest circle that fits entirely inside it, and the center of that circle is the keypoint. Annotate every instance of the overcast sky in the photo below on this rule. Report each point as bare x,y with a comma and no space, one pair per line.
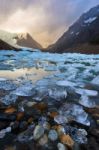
46,20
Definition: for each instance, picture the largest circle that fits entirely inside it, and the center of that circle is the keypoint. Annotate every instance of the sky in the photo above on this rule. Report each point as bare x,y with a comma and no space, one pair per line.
45,20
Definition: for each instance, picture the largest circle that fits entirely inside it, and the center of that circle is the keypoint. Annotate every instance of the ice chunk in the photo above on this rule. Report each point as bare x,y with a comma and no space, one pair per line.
86,92
9,99
40,94
4,131
65,83
81,136
3,79
78,135
60,119
95,80
85,101
57,93
7,85
25,90
75,112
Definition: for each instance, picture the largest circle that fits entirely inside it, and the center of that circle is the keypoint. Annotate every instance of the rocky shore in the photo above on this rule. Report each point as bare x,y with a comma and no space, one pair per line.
59,111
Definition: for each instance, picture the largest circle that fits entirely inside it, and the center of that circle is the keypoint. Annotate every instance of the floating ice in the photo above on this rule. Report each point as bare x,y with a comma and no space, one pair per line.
7,85
57,93
95,80
60,119
78,135
40,94
65,83
85,101
75,112
9,99
3,79
87,92
81,136
4,131
25,90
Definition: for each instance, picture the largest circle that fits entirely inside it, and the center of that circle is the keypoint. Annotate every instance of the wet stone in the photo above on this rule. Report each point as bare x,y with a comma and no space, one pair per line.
58,93
10,110
7,85
61,146
43,140
38,132
20,116
9,99
25,136
78,135
66,139
87,102
25,90
60,130
53,136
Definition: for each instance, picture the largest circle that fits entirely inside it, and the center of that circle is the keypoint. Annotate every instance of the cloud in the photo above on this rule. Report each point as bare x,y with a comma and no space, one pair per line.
46,20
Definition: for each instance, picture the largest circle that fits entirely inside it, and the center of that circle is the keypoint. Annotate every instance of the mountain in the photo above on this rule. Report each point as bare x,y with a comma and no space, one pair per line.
82,36
5,46
19,40
26,40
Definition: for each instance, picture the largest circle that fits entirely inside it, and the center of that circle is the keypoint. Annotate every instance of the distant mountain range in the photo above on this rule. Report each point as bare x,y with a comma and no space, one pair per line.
18,40
82,36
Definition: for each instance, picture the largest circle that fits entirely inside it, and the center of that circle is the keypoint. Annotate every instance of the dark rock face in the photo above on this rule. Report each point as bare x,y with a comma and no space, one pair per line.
82,36
5,46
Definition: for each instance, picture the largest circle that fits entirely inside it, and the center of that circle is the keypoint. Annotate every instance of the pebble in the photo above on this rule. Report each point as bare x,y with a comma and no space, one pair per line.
61,146
20,116
43,140
10,110
30,120
38,132
66,139
53,136
98,122
60,130
46,126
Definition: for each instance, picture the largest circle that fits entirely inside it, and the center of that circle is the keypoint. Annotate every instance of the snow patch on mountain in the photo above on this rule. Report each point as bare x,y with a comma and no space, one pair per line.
90,20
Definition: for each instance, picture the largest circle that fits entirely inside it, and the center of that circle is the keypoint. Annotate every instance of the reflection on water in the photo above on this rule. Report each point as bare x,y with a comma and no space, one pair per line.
27,73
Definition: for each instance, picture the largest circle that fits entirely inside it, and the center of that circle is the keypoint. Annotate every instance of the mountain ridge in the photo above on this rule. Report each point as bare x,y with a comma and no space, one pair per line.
85,31
19,40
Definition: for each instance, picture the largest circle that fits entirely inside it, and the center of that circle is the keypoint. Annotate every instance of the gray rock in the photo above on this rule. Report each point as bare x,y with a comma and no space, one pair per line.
53,136
43,140
38,132
61,146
